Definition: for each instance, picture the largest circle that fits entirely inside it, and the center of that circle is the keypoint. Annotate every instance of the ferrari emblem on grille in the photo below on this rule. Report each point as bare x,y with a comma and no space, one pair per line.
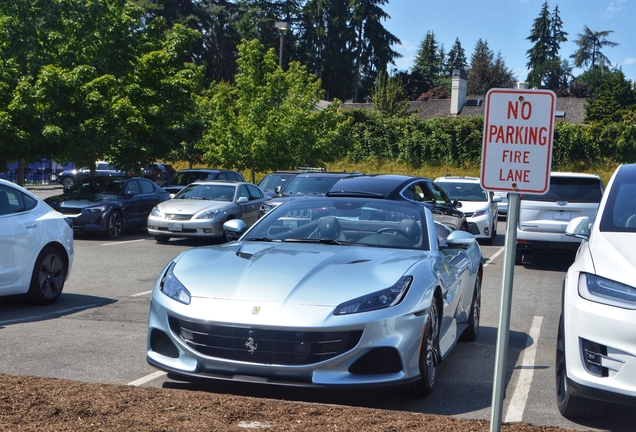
251,345
256,310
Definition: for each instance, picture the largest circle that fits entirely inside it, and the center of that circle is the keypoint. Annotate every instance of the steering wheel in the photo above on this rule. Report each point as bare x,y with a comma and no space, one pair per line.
395,230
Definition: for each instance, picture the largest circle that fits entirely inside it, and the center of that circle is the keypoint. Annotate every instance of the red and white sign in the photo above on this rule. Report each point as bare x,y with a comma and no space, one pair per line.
517,145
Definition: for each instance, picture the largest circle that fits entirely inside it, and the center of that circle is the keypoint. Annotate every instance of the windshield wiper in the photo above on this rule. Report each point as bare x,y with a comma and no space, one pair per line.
316,240
263,239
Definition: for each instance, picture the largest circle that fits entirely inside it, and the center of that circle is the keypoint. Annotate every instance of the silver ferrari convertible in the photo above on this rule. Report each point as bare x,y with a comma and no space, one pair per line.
329,292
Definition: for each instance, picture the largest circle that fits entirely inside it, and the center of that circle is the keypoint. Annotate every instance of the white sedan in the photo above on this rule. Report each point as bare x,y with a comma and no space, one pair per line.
36,244
596,343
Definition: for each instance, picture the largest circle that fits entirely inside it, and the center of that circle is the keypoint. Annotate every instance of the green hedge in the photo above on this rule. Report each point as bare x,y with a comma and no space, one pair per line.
458,140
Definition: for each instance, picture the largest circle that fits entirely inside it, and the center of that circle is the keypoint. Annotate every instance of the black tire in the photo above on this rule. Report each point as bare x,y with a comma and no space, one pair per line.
518,258
68,183
114,225
571,406
471,332
48,277
429,355
162,238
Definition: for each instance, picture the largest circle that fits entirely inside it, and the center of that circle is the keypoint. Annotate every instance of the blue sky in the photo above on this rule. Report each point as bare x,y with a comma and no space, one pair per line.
505,25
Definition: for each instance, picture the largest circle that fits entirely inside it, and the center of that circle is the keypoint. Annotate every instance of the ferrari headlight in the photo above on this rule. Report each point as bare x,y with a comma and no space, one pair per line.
173,288
606,291
156,212
99,209
210,214
378,300
482,212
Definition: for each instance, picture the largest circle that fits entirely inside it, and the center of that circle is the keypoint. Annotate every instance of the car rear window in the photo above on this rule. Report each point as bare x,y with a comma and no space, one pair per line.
570,189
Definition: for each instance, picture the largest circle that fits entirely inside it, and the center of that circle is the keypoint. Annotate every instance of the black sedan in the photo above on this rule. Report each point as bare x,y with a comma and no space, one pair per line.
109,204
404,188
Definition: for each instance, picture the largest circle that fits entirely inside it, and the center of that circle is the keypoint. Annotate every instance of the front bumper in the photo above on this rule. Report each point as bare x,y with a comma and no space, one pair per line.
600,348
386,350
480,226
530,242
208,228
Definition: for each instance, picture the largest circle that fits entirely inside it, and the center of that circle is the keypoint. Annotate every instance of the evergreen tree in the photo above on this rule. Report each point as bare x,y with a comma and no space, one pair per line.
487,71
589,52
427,60
388,95
456,58
372,48
614,96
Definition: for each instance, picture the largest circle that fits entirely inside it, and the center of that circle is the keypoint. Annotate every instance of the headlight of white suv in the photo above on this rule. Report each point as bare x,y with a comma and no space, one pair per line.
606,291
482,212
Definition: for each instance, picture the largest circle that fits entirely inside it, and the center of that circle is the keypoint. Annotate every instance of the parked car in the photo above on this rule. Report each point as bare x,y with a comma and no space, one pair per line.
479,206
502,206
405,188
596,341
313,184
187,176
543,218
201,208
327,292
273,183
36,244
109,205
69,178
158,172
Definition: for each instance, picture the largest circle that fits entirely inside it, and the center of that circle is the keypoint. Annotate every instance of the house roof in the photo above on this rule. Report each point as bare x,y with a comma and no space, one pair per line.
573,109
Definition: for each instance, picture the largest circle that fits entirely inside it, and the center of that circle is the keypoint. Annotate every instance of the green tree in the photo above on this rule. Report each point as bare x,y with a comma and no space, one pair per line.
613,99
456,58
388,95
590,44
427,60
268,120
547,70
487,71
372,45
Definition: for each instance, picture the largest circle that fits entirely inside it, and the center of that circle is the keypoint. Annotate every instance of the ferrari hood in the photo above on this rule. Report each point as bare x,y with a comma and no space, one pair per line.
614,256
292,273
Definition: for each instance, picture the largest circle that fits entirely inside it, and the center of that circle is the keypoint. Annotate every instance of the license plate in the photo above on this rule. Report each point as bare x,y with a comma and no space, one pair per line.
175,227
562,215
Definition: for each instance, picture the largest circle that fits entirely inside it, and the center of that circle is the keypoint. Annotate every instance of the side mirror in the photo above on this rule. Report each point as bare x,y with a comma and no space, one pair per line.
579,227
496,199
234,229
278,190
242,200
460,239
457,204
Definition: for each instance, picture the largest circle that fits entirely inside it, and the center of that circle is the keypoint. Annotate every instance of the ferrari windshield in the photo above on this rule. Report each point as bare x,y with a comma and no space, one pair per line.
345,221
207,191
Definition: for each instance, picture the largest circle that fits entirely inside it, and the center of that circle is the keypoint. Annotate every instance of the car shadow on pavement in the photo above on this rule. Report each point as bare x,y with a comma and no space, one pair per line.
16,310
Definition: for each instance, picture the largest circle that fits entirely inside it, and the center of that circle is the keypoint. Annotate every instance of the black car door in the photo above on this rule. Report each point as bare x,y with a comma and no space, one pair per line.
451,216
132,204
150,197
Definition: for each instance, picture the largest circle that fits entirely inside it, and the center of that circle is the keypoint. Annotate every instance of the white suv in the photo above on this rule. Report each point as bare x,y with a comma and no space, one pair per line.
543,218
479,206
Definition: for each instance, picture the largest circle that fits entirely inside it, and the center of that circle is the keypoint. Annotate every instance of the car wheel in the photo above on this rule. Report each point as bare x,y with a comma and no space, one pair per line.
48,277
472,331
518,258
429,357
114,225
571,406
68,183
162,238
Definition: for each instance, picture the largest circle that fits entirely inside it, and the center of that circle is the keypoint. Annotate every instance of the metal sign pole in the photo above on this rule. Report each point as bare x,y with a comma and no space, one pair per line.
504,316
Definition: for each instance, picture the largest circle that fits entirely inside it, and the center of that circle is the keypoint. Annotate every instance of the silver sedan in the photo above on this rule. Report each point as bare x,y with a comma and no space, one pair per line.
201,208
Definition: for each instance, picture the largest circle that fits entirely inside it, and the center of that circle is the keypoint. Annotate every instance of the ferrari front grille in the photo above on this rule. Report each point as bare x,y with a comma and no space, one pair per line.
257,345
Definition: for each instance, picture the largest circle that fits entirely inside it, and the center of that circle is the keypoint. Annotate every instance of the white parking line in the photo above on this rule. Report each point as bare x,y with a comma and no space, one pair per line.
147,378
122,242
495,255
142,294
520,396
